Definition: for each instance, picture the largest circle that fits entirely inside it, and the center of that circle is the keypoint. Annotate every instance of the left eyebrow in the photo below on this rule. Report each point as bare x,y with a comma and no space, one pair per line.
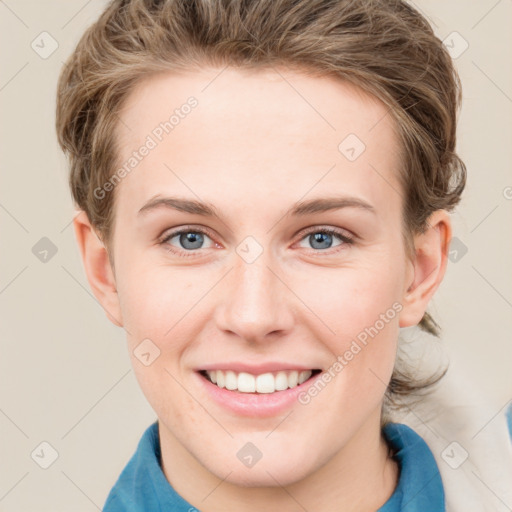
329,203
298,209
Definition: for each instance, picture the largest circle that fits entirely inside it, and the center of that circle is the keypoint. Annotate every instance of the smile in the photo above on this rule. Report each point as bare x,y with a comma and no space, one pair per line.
269,382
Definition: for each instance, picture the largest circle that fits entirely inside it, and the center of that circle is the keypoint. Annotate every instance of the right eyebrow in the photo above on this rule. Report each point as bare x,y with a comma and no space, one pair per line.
183,205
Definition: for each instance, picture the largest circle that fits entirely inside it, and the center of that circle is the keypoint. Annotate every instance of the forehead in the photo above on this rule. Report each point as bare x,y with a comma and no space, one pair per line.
266,132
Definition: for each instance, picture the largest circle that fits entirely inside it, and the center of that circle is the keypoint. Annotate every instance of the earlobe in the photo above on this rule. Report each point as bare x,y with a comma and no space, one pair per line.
431,251
97,267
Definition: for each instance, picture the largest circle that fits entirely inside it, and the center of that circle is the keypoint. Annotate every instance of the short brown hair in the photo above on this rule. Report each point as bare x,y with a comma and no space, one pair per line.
383,46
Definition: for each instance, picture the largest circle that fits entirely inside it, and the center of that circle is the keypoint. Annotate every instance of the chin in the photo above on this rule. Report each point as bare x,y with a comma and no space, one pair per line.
275,472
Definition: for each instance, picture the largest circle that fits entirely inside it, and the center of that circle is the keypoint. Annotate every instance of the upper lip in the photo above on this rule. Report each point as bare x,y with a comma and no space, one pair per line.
256,369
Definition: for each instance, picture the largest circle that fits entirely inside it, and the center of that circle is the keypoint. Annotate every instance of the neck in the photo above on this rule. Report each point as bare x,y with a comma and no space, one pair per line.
342,483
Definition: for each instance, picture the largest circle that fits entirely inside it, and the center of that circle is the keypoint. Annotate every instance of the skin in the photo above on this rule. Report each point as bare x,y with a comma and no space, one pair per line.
253,147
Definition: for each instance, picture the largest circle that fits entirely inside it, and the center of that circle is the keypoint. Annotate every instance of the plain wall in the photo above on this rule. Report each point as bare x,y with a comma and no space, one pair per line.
65,371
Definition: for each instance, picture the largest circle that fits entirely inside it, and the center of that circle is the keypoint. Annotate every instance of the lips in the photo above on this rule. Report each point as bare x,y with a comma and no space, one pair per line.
255,390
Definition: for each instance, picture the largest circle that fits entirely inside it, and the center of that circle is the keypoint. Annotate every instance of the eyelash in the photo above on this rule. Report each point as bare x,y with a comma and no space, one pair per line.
346,239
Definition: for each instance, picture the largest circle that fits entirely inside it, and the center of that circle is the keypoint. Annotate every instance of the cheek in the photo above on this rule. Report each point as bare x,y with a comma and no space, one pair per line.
156,301
161,309
163,314
348,300
361,309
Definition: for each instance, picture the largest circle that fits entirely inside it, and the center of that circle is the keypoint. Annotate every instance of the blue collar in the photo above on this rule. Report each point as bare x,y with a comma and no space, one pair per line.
142,486
419,486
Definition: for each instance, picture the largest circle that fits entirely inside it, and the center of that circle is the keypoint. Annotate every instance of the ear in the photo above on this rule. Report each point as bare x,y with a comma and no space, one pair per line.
97,267
429,264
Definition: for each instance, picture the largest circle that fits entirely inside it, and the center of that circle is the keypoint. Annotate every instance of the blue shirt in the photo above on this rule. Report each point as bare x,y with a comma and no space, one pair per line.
142,486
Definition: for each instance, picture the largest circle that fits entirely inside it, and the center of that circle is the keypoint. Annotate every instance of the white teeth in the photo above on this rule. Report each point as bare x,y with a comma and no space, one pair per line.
246,383
264,383
281,381
231,381
221,379
293,379
304,376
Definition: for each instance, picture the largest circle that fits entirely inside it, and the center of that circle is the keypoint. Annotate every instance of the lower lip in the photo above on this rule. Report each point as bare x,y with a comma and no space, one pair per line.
255,404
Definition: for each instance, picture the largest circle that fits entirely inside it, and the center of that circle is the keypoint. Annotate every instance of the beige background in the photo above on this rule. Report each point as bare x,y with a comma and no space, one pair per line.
65,373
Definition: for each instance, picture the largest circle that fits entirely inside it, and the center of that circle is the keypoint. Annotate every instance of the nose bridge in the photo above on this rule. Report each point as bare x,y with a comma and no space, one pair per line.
255,304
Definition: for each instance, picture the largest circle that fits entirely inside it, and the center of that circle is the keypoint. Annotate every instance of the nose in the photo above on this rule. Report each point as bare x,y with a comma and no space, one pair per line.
256,303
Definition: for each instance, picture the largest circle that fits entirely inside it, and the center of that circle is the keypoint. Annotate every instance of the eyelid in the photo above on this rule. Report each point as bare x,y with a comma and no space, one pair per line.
341,232
346,238
172,232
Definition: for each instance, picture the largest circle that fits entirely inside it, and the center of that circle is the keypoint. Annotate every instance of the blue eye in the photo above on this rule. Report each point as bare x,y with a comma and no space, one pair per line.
322,238
191,240
188,239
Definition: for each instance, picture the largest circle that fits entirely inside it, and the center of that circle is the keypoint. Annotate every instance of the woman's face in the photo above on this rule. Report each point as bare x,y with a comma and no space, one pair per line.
260,288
